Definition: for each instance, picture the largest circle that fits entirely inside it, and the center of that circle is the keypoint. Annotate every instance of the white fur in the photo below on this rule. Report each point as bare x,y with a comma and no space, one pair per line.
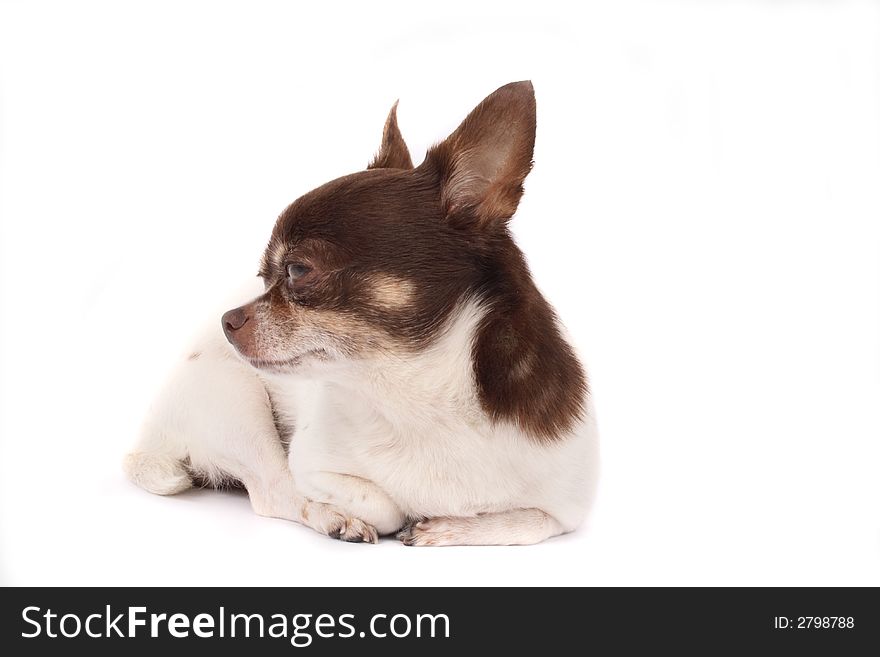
379,441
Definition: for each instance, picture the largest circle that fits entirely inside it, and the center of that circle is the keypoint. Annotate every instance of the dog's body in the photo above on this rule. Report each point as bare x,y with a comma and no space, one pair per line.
402,349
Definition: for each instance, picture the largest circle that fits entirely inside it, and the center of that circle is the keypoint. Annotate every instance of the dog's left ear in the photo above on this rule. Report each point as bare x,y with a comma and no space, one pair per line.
393,153
482,165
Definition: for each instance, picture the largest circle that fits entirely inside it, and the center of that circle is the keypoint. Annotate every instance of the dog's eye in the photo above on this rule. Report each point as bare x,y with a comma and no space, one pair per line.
296,270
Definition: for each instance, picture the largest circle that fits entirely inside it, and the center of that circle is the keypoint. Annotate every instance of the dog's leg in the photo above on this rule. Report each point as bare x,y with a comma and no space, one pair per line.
157,465
358,496
275,496
515,527
214,419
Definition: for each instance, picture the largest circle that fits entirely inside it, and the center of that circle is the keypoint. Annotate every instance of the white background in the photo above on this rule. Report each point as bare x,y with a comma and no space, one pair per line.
704,212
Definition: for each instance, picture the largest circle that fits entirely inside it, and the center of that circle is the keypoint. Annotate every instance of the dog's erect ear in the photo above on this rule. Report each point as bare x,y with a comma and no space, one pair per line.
482,165
393,154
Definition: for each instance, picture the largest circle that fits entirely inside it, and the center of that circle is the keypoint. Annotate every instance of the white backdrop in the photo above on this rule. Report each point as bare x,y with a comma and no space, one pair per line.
704,212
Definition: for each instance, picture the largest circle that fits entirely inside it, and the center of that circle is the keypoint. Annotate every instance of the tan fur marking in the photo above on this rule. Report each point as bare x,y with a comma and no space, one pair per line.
391,292
523,367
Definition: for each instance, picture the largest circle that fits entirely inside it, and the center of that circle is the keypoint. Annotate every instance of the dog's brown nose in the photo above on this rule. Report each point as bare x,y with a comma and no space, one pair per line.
234,320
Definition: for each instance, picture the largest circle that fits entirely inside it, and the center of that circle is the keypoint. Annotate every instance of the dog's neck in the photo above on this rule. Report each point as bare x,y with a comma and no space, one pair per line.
503,360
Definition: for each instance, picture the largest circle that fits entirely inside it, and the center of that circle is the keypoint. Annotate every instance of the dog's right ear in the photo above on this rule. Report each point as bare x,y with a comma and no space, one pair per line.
482,165
393,153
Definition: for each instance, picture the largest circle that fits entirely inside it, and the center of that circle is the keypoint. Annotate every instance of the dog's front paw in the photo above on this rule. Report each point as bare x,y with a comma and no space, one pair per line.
433,531
354,530
335,523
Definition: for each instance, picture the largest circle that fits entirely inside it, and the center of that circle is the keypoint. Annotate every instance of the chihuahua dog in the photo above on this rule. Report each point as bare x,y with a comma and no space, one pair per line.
400,373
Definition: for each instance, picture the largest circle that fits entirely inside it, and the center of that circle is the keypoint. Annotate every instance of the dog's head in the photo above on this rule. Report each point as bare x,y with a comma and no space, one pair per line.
375,262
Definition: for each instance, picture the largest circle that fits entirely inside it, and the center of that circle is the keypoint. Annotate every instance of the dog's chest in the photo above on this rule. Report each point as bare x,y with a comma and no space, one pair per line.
440,457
